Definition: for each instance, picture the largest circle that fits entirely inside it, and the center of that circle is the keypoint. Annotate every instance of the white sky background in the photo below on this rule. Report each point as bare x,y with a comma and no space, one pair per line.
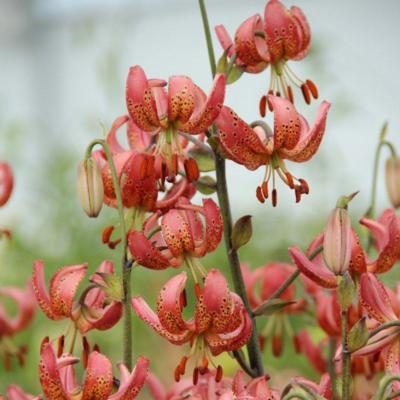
55,54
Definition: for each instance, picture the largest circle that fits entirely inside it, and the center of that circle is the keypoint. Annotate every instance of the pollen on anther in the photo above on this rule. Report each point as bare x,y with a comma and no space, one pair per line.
313,88
263,106
274,198
306,93
259,194
219,374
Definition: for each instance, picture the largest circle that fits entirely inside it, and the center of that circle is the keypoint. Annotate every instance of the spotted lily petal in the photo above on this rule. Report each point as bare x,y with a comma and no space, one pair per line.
14,392
131,383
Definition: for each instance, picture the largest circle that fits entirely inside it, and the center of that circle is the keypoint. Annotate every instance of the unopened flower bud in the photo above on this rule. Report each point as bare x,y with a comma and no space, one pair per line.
393,180
358,336
345,291
90,187
338,241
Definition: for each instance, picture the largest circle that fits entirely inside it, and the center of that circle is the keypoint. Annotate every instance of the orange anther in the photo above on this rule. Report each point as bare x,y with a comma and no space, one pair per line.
183,299
259,195
313,88
177,374
290,94
197,290
306,93
277,345
107,232
290,180
264,189
195,376
274,198
219,374
263,106
304,186
60,345
191,170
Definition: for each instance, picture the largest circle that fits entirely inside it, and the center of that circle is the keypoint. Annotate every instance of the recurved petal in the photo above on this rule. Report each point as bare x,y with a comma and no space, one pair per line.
374,298
98,381
63,286
145,253
107,317
214,224
131,383
225,40
379,231
112,139
170,304
181,99
239,141
304,26
206,112
310,139
41,294
49,374
252,50
6,182
357,260
322,277
218,301
176,232
377,343
26,306
14,392
286,123
140,100
146,314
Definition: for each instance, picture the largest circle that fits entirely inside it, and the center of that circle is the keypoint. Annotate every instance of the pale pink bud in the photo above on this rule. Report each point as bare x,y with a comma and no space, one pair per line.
90,187
393,180
337,241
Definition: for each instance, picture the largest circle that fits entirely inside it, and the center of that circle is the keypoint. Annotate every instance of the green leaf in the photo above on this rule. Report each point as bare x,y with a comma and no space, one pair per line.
222,63
242,232
272,306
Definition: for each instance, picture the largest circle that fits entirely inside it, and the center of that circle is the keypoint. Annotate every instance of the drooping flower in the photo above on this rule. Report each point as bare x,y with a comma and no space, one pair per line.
97,309
183,234
292,139
392,175
10,325
281,36
6,182
386,233
184,108
59,382
220,321
323,390
261,284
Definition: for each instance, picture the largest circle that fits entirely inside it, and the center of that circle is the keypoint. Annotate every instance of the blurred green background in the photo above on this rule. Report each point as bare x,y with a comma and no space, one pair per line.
64,67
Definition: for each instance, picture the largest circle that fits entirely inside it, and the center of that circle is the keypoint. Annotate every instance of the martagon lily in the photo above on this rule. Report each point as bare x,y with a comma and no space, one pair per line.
181,235
98,308
59,382
220,321
184,108
283,35
292,139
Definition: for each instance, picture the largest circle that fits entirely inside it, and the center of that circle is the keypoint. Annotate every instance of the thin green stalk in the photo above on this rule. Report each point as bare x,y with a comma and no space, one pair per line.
207,32
346,374
126,271
331,365
253,346
384,326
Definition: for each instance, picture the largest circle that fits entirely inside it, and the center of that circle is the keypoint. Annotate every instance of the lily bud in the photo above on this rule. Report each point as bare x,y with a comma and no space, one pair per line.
358,336
338,239
90,187
393,180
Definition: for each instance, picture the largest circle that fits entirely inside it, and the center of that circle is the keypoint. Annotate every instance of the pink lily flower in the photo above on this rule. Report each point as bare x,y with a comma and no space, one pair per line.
6,182
292,139
261,284
281,36
323,389
220,321
184,108
94,311
183,234
386,232
59,382
376,302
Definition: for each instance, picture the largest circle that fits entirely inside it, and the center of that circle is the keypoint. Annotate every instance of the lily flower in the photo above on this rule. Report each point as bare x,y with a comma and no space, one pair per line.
98,308
220,321
386,232
261,284
183,234
6,182
14,392
323,389
184,108
376,302
59,382
280,36
291,139
10,325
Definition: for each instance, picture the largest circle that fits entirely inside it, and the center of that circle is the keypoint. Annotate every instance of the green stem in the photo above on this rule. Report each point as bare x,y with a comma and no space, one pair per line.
253,346
346,375
384,326
207,32
331,365
126,272
294,276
